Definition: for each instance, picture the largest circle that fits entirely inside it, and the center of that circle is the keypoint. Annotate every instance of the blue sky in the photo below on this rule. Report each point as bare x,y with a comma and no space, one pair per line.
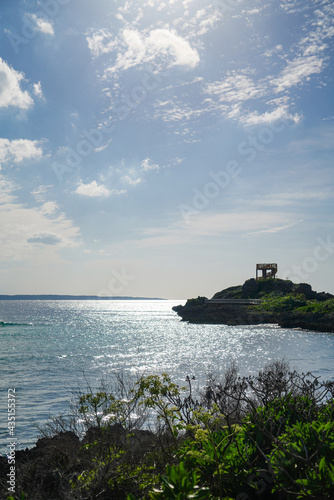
163,148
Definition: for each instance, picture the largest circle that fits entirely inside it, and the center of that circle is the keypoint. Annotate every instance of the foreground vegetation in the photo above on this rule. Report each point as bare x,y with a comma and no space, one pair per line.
264,436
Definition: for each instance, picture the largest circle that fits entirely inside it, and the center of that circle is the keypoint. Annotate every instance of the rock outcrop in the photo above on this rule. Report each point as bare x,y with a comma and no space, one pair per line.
200,311
318,322
291,312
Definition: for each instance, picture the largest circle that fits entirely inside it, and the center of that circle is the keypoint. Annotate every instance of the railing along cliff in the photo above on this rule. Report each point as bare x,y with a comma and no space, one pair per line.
234,301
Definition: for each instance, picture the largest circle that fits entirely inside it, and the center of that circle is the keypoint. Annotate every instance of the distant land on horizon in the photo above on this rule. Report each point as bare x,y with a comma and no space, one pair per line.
71,297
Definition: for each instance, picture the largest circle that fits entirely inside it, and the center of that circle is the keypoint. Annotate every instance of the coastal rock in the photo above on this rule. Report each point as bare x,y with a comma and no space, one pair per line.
200,311
318,322
285,303
44,472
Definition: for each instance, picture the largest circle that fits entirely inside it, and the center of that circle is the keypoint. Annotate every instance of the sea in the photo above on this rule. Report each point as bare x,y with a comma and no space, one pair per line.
49,348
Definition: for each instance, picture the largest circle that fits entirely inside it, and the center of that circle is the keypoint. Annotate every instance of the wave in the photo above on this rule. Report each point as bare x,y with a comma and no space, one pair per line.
3,323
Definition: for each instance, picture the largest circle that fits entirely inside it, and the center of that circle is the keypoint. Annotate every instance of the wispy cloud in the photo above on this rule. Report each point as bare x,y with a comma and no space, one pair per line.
209,225
40,193
38,90
131,180
292,198
147,165
276,229
175,110
42,25
235,88
101,42
242,97
239,95
24,230
296,71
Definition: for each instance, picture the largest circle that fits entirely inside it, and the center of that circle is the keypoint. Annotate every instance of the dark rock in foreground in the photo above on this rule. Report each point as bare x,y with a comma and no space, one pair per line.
298,309
45,472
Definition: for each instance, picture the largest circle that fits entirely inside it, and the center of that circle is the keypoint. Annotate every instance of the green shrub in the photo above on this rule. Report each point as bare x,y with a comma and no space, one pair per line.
288,302
179,484
265,436
303,459
313,306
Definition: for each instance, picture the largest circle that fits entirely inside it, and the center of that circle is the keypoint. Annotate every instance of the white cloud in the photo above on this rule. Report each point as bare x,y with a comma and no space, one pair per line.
165,41
128,179
280,113
41,25
49,207
135,48
237,90
207,22
146,165
174,111
19,149
44,239
270,52
92,190
117,192
253,11
40,193
95,190
10,88
101,42
21,227
242,97
6,191
38,90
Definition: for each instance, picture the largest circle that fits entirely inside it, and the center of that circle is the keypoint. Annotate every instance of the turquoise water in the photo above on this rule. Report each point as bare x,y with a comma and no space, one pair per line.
52,346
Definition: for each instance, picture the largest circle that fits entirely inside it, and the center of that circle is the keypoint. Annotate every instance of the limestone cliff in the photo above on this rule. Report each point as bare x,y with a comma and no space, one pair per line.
278,301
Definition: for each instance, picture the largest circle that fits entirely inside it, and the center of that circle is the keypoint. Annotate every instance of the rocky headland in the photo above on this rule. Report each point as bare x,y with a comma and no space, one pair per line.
277,301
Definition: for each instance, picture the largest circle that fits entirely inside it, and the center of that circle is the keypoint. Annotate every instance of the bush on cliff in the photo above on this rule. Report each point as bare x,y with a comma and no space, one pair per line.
281,304
264,436
314,306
